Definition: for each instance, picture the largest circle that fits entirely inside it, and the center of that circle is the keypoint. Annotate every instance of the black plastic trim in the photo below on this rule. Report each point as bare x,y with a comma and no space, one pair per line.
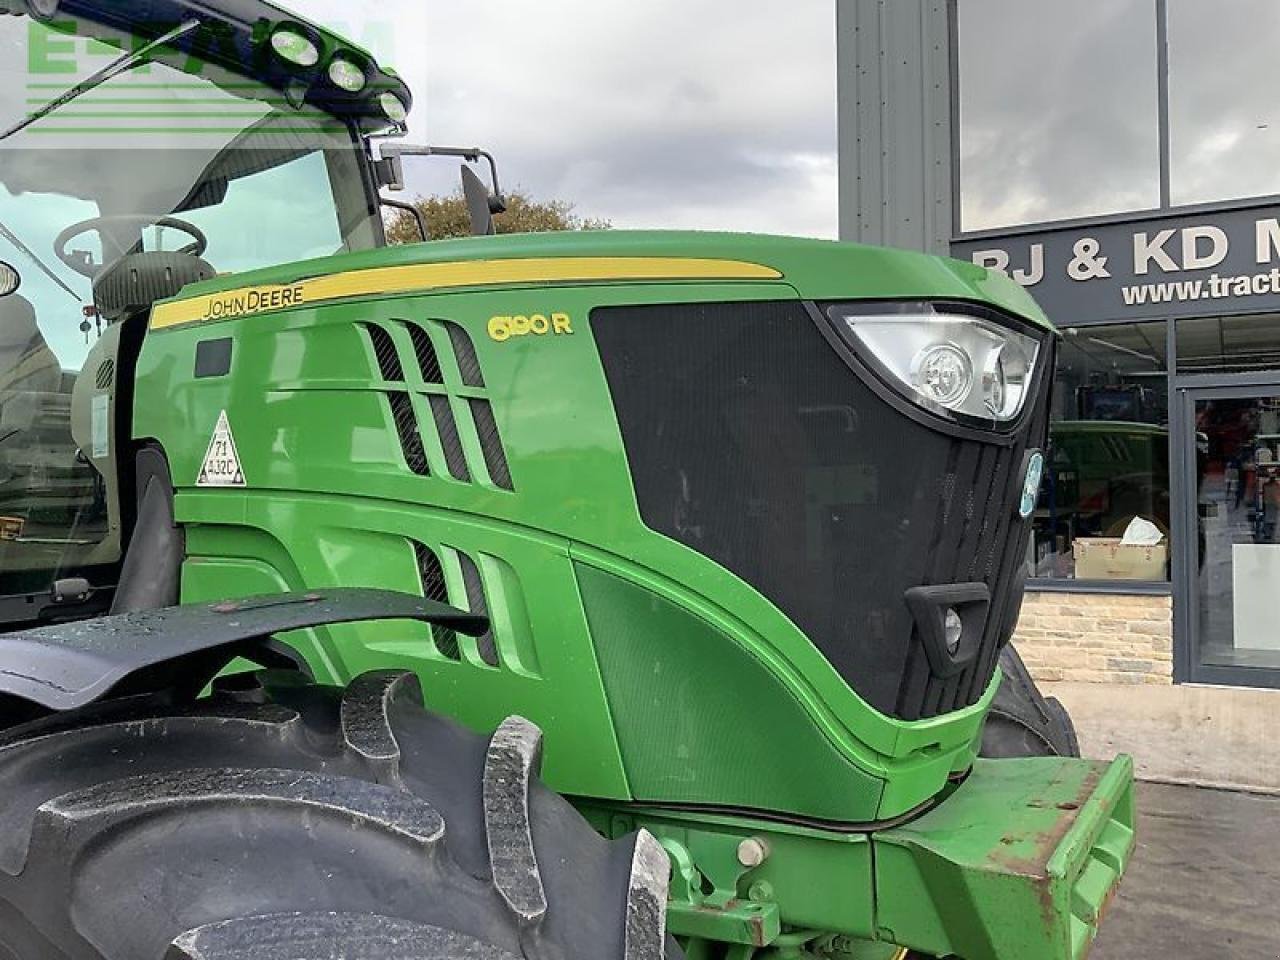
31,608
213,357
928,606
235,36
183,648
151,574
640,808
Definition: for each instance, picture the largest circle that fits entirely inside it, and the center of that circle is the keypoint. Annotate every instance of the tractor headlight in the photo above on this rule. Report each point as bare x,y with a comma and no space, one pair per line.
394,108
958,365
943,373
295,47
347,75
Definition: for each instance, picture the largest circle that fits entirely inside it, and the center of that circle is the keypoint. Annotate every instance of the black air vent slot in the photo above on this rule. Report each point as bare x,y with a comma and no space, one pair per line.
465,352
384,351
495,457
447,428
476,604
425,351
433,588
463,423
407,429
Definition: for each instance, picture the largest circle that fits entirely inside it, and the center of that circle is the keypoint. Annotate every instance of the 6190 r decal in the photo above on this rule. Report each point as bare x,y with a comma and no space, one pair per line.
537,324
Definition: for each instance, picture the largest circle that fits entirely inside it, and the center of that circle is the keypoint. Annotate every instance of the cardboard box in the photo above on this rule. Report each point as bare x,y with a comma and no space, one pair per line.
1106,558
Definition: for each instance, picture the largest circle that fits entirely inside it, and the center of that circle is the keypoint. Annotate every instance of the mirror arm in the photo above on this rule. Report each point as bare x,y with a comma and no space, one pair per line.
497,203
390,168
408,208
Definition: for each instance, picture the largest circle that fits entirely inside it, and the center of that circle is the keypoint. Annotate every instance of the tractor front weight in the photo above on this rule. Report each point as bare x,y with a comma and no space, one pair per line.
1018,862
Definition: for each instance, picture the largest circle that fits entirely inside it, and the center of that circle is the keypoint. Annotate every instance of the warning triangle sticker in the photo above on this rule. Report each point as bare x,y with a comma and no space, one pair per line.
221,467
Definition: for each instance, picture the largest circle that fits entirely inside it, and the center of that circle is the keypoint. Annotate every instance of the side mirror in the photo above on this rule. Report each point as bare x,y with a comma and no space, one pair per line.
10,279
479,204
390,171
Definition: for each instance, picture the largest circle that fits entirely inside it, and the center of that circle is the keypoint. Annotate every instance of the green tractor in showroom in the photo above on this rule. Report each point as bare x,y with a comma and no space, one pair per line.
739,524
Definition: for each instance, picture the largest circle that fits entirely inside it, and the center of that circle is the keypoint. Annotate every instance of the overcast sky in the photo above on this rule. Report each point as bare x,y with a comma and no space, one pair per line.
716,114
1058,110
722,113
1059,115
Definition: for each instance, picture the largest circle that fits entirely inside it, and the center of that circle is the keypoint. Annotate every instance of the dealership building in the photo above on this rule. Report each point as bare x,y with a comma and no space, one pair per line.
1124,167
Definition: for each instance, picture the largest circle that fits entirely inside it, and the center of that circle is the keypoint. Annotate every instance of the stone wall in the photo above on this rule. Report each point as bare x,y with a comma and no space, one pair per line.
1097,637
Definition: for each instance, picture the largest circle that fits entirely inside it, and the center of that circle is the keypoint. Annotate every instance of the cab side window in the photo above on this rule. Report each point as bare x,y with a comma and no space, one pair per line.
55,520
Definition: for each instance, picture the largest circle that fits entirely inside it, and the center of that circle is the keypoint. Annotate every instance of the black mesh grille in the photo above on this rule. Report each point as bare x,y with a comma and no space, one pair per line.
476,603
751,441
407,429
425,351
495,458
447,427
465,351
977,537
434,588
384,351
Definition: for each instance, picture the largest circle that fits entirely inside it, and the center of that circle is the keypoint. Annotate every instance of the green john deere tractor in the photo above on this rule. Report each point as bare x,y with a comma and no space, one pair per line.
739,522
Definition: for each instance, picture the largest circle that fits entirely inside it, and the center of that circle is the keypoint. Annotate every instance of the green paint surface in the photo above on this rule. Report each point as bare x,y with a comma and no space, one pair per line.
309,411
815,269
672,694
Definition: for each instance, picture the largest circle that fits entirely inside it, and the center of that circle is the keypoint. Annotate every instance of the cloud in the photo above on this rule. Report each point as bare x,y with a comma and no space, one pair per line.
1059,108
715,114
1224,115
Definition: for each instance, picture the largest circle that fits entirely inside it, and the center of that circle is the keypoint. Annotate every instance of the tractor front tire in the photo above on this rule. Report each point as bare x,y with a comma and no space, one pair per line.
289,821
1022,721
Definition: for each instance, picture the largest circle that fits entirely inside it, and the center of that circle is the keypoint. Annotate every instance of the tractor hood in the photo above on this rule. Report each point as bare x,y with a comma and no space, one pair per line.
655,427
816,269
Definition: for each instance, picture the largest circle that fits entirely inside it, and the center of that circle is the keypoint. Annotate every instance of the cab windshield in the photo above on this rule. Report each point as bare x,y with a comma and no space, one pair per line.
168,157
265,182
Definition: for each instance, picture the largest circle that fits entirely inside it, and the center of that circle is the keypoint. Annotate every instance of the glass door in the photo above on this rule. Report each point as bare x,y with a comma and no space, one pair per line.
1231,560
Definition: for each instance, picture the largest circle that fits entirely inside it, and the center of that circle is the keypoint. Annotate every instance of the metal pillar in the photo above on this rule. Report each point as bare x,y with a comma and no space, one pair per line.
897,165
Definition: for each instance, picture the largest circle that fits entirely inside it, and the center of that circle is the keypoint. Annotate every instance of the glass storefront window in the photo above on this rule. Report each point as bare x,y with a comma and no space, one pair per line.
1229,344
1108,456
1057,110
1238,536
1224,124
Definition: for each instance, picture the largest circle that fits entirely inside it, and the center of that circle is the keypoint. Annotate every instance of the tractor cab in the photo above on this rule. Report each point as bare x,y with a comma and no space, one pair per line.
136,158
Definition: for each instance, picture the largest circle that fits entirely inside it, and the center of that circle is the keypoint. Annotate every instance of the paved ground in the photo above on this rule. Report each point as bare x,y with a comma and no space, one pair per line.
1205,880
1185,733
